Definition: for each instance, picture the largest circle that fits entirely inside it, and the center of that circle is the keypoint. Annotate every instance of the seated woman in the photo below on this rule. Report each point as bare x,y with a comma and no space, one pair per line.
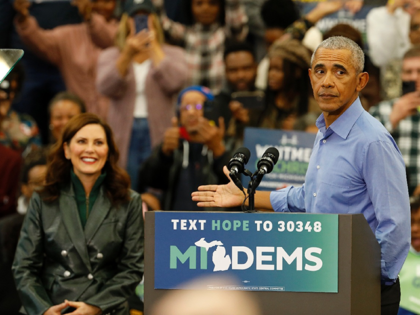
142,77
81,244
63,107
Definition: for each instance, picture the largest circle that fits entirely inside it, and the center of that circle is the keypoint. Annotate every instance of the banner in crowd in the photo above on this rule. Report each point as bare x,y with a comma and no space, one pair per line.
262,251
295,148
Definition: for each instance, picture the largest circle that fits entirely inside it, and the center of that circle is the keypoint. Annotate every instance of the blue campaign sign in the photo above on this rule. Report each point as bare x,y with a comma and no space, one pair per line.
295,148
262,251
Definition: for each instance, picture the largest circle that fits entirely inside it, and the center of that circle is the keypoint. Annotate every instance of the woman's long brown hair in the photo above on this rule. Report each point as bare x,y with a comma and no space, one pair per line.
117,181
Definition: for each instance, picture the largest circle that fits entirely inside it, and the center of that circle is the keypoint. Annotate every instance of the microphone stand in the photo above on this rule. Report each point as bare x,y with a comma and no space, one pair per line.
251,196
252,186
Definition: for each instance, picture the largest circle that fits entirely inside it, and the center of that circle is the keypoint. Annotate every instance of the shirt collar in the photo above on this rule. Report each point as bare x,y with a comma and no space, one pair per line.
78,186
345,122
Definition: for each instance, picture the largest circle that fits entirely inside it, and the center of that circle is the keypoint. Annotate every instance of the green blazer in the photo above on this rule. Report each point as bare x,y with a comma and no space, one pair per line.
56,259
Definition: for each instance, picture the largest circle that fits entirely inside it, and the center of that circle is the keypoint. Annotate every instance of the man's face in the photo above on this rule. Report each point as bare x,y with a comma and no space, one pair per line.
411,70
335,81
205,11
241,70
191,109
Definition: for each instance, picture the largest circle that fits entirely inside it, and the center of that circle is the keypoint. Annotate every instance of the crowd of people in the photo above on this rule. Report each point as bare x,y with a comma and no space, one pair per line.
132,105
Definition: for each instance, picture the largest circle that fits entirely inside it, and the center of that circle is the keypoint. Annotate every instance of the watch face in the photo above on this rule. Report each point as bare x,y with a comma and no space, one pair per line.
8,59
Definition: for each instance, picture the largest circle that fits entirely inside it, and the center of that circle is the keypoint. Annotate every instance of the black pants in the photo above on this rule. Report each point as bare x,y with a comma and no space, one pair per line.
390,298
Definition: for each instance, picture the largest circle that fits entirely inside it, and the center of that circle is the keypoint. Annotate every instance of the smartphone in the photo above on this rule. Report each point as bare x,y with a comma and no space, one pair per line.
250,99
408,87
211,113
140,21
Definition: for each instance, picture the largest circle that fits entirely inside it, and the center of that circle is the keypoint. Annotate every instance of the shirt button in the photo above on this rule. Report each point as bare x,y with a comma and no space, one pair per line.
67,273
99,256
314,194
90,277
318,167
64,253
324,141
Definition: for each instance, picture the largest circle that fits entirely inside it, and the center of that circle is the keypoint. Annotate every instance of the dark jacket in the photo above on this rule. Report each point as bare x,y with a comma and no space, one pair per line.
56,259
162,172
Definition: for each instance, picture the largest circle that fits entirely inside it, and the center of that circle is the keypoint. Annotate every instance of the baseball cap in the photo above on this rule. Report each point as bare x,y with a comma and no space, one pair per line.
132,6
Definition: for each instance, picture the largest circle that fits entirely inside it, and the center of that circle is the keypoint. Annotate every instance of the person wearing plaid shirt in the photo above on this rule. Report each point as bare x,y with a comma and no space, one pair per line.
204,36
402,119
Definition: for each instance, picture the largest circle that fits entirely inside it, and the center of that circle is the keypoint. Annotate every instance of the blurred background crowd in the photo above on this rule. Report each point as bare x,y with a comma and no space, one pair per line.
179,80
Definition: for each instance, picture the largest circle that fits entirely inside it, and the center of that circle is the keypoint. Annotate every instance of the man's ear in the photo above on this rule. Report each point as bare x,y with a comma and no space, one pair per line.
362,81
309,73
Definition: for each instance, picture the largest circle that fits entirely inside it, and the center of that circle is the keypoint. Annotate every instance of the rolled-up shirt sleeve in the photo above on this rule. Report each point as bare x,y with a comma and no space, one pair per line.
290,199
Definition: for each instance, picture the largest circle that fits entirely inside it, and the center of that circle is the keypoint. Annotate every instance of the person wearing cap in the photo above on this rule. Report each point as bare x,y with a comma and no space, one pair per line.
73,48
192,152
142,77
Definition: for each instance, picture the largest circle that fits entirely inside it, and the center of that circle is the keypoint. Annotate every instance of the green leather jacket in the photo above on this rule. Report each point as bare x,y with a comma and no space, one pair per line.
56,259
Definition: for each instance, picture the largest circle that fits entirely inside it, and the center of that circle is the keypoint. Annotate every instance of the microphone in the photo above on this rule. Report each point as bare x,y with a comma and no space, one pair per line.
268,160
236,165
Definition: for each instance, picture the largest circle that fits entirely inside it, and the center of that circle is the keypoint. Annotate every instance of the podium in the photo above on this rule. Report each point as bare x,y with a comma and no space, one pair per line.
357,271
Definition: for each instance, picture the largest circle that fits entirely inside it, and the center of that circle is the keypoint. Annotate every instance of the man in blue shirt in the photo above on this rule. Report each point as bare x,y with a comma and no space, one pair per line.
355,167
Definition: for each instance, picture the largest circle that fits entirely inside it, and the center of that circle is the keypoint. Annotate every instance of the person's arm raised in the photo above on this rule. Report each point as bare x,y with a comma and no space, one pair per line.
228,196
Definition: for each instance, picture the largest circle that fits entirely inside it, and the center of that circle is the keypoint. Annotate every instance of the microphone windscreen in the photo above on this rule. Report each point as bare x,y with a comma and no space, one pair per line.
274,152
246,153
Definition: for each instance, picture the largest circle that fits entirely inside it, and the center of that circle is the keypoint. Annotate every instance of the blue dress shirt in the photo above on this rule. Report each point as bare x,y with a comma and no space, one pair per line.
356,167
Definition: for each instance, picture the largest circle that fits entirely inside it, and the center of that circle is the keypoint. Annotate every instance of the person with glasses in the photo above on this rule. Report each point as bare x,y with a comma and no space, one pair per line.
192,152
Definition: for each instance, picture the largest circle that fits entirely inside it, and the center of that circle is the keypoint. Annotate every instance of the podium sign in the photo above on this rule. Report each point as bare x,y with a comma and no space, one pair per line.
263,251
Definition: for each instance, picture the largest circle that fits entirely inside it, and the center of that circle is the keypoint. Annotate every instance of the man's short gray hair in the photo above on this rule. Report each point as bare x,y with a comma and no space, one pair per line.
340,42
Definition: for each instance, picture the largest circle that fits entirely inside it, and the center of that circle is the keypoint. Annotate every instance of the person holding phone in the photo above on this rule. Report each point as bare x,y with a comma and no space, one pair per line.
289,95
241,71
142,77
73,48
192,152
401,117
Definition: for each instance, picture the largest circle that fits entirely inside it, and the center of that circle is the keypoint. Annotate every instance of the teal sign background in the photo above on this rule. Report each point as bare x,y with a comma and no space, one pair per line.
189,245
